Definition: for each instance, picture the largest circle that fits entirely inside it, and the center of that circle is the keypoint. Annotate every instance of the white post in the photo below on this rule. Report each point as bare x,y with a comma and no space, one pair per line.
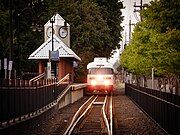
143,82
49,70
130,78
5,67
122,75
152,78
10,68
125,76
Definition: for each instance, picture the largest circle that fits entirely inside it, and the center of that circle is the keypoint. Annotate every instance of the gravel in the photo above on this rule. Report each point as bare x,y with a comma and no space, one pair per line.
129,119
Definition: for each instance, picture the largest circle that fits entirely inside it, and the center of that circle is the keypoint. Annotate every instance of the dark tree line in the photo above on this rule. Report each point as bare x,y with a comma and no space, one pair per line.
95,28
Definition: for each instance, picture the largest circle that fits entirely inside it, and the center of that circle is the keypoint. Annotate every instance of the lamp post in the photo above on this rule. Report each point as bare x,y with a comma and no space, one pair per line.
35,26
52,21
18,37
10,30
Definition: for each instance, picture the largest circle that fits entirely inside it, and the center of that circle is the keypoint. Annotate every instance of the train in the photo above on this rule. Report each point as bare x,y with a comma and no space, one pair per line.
100,76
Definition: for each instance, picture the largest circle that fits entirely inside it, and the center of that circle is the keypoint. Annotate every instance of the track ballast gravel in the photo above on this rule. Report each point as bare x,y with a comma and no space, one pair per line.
129,119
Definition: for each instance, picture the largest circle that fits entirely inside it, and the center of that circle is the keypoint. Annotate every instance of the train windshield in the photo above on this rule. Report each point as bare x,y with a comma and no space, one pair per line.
100,71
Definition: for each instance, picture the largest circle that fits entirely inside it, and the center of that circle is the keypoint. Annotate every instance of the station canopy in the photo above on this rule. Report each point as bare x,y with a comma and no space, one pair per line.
42,53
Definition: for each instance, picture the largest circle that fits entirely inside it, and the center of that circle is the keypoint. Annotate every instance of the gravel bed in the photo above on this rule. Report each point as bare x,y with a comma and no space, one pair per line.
129,119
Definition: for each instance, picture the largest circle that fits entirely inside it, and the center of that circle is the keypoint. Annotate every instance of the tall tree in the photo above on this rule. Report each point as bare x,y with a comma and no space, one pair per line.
92,31
95,27
156,41
4,42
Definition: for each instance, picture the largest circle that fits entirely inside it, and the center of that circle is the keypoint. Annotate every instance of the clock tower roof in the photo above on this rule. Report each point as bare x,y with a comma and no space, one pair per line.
64,51
58,21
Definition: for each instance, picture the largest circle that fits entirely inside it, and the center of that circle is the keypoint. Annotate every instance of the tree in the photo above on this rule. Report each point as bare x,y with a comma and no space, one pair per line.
4,33
111,11
91,31
25,13
156,41
95,27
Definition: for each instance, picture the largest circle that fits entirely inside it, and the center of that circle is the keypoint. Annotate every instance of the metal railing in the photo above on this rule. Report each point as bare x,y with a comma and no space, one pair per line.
19,98
15,83
65,79
163,108
38,77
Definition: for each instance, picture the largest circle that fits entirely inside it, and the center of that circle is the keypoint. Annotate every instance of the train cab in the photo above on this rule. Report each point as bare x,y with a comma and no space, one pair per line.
100,78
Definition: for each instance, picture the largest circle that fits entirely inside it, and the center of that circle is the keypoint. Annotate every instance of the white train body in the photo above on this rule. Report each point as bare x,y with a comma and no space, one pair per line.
100,78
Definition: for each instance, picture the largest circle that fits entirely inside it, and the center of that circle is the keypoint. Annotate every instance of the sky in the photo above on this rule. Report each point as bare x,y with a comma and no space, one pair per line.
128,14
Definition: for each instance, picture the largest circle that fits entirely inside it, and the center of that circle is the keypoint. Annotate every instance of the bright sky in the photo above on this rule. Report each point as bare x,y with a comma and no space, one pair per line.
128,14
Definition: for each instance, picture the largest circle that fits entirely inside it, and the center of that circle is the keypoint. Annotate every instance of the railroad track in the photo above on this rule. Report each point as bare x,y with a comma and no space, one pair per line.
93,117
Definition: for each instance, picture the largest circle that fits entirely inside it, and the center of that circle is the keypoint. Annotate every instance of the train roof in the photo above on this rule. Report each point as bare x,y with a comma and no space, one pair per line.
100,63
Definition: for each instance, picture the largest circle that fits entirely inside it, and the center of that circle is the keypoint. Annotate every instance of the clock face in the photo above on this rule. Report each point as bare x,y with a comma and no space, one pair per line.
49,32
63,32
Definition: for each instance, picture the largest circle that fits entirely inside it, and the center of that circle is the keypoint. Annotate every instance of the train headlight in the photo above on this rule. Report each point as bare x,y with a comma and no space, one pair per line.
106,82
93,83
100,77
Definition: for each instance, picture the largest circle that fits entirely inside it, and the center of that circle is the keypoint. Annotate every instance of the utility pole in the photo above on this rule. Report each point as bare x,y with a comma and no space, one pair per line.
130,29
125,35
10,30
141,6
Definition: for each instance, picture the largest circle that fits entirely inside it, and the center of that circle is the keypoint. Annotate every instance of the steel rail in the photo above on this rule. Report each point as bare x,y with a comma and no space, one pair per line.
105,116
76,119
109,125
111,116
78,116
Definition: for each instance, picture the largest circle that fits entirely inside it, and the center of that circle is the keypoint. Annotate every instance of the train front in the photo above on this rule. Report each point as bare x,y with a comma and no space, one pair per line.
100,78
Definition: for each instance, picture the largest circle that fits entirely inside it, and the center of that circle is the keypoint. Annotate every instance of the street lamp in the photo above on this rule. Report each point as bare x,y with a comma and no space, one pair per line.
35,26
54,55
52,21
10,29
18,37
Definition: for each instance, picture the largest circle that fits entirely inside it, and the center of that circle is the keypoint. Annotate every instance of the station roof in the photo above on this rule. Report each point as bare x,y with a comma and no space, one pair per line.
43,51
58,21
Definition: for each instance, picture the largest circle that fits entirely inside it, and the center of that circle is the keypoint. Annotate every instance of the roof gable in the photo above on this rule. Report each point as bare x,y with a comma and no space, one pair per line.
43,51
58,21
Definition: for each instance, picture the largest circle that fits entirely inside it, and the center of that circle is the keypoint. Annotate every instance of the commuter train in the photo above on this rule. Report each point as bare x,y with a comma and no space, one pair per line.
100,77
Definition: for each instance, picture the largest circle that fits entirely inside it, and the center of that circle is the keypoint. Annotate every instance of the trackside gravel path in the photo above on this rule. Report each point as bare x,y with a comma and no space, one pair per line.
129,119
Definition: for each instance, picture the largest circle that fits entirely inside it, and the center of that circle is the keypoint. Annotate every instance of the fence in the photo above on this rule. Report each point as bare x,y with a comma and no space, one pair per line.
22,97
162,107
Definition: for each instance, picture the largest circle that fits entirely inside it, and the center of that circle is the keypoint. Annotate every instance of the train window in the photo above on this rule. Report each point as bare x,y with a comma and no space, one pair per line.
100,71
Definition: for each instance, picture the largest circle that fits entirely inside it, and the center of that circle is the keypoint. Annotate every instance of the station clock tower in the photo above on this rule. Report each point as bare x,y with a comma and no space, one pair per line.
60,28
